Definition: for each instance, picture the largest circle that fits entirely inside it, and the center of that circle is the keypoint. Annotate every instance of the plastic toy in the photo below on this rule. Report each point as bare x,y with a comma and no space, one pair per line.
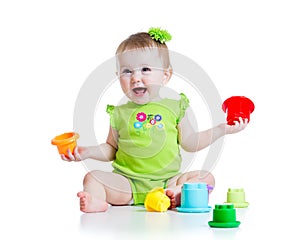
65,141
224,216
237,106
236,196
194,198
157,201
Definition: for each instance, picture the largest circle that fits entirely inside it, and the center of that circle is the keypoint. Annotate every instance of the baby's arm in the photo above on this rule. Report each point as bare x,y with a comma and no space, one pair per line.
104,152
193,141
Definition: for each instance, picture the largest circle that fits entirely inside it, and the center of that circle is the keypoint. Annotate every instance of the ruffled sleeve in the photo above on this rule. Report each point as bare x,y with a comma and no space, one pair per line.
110,109
184,103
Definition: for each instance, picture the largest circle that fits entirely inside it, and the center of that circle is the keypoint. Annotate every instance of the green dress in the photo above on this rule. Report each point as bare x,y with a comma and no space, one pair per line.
148,150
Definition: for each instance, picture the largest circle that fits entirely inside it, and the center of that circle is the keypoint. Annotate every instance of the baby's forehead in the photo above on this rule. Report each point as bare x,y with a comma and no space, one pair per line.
138,57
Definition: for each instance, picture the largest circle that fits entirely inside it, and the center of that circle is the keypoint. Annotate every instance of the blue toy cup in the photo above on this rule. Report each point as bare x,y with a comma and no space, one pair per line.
194,195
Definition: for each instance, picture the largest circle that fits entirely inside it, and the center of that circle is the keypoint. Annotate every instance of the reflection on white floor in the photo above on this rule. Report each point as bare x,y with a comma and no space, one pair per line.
135,221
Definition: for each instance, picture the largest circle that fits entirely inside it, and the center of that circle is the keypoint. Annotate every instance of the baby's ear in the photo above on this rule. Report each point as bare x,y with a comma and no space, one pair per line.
167,75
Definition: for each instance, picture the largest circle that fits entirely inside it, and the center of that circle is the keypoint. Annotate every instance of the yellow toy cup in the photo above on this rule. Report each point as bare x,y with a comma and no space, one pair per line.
157,201
65,141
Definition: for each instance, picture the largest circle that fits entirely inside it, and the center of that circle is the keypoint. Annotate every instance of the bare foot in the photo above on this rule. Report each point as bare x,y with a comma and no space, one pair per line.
174,198
90,204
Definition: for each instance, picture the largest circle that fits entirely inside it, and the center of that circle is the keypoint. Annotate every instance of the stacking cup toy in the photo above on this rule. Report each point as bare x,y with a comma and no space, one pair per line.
236,107
194,198
65,141
157,201
236,196
224,216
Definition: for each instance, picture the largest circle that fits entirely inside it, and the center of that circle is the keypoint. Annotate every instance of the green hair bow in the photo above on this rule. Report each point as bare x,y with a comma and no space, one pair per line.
160,35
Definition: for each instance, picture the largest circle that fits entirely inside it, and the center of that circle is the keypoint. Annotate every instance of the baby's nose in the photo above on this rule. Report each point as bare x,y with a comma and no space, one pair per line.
136,77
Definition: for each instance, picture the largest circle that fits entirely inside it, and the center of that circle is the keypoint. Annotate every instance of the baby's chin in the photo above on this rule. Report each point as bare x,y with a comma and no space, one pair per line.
140,100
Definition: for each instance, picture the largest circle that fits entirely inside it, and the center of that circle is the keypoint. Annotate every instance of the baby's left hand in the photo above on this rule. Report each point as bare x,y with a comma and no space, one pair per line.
239,126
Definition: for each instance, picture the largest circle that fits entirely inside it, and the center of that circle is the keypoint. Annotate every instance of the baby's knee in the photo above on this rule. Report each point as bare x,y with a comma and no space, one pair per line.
91,176
207,177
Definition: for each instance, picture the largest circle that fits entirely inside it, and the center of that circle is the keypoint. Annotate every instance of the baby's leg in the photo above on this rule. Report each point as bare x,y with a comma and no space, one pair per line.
174,188
196,176
103,188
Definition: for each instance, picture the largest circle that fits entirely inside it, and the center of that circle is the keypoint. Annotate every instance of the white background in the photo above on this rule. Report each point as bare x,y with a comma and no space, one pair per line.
47,51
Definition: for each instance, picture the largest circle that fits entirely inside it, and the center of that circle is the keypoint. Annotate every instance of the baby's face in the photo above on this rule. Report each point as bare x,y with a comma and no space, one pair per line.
142,73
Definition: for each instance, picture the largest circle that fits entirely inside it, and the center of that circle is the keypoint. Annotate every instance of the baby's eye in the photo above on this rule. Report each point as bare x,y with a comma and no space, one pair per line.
146,70
126,71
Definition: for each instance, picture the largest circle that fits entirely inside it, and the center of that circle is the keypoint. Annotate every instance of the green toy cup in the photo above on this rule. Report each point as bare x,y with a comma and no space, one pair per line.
224,213
236,196
224,216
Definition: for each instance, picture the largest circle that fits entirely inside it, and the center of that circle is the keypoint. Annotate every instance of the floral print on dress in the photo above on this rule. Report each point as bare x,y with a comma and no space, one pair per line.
152,121
147,121
137,125
141,116
158,117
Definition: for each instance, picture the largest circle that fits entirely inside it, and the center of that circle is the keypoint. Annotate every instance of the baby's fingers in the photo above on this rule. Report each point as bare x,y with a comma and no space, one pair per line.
63,157
70,155
77,155
243,123
238,125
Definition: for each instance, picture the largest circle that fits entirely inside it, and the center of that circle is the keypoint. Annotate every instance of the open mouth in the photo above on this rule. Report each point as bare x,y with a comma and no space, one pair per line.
139,91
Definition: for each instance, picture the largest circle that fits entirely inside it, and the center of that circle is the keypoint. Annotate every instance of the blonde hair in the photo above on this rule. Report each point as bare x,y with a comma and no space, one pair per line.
142,40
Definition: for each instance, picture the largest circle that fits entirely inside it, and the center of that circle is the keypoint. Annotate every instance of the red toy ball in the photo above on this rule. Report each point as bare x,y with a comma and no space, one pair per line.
237,106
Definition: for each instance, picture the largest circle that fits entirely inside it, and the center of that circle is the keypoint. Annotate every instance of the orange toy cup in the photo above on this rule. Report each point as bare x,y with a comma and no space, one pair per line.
65,141
237,106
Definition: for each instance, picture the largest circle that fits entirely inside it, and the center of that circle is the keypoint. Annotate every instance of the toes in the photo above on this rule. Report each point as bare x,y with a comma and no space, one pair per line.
80,194
173,204
170,194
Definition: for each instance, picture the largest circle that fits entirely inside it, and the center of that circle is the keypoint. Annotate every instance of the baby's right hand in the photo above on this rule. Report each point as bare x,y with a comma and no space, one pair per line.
76,157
